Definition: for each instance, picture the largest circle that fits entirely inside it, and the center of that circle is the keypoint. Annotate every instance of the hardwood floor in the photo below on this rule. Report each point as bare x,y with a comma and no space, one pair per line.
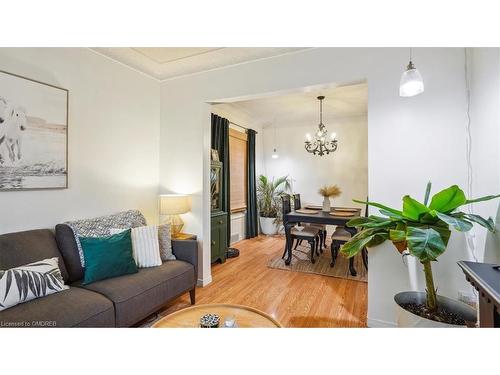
295,299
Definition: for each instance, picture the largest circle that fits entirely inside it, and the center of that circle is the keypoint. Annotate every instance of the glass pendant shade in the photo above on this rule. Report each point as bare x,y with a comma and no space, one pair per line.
275,154
411,83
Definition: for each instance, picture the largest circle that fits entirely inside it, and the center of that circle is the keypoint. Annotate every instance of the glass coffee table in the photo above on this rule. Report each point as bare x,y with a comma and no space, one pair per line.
244,317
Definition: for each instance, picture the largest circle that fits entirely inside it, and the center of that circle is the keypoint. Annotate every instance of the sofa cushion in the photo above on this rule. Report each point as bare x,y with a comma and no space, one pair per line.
74,307
69,251
67,236
20,248
138,295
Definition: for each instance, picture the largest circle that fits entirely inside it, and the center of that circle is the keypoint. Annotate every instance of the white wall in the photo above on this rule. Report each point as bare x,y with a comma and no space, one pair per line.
238,227
114,118
347,167
484,70
410,140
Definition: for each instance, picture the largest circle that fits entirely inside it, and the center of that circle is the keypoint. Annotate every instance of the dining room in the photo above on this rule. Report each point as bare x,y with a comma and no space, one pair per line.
311,164
324,177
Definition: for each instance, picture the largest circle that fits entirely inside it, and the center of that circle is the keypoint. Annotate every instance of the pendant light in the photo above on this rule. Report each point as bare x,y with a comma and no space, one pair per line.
411,83
275,153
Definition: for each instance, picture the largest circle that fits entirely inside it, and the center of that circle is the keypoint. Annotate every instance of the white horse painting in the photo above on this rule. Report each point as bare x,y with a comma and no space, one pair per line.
13,122
33,134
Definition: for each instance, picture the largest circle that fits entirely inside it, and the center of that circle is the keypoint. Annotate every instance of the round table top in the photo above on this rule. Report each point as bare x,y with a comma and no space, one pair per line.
245,317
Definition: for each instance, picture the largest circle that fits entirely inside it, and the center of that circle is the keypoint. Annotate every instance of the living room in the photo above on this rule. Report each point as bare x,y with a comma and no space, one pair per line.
106,172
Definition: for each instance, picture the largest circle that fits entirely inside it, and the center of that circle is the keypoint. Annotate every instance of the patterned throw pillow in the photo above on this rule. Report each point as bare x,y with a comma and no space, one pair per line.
165,237
100,226
34,280
145,245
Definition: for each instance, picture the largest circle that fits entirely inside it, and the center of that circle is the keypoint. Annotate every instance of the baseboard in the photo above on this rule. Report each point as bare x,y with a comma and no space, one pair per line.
204,282
376,323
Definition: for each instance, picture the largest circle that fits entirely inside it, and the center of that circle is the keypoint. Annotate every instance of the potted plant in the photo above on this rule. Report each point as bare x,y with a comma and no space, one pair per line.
424,230
269,194
328,192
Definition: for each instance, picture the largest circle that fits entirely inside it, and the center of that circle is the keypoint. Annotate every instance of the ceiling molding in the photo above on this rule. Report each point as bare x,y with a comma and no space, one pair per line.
167,63
123,64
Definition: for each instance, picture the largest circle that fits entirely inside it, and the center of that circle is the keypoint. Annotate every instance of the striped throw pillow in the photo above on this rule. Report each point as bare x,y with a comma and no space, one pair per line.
145,245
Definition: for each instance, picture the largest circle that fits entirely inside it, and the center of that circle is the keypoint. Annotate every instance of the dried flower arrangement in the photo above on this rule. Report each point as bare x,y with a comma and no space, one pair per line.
330,191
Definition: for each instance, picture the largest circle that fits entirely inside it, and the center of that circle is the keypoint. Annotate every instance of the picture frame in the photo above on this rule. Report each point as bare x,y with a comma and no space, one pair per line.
33,134
215,155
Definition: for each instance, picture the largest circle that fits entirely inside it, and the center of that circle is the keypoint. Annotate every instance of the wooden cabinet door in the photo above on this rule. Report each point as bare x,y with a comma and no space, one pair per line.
215,240
218,232
223,238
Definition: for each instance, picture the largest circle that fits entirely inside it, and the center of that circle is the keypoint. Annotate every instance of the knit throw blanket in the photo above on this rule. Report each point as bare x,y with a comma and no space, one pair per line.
101,226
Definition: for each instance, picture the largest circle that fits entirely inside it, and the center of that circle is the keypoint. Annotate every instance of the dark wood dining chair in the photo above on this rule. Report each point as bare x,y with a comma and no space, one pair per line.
297,205
339,237
309,234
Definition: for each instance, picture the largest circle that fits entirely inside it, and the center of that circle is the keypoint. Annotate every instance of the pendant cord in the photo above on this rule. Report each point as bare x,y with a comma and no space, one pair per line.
274,137
321,111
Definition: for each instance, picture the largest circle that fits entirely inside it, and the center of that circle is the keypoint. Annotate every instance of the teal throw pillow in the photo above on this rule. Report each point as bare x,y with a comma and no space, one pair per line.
107,257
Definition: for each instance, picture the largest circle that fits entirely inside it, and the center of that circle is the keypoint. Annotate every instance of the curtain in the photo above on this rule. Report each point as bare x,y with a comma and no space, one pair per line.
220,142
252,229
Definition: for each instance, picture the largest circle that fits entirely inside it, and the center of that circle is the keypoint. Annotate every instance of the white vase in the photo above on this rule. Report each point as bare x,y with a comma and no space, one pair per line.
268,226
326,204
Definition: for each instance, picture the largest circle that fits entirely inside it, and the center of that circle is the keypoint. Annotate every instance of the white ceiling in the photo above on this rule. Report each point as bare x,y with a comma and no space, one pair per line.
169,62
302,107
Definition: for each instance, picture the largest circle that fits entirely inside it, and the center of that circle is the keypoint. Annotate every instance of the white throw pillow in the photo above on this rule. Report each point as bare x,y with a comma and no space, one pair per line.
165,237
24,283
145,245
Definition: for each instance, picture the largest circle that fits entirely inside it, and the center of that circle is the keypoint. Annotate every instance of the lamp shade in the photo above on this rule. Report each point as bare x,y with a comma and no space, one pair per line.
174,204
411,83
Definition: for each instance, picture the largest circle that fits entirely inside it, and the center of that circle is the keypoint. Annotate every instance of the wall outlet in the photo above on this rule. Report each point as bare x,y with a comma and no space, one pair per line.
467,297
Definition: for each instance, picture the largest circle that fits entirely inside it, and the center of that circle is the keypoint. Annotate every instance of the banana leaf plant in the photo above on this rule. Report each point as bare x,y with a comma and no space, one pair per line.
422,228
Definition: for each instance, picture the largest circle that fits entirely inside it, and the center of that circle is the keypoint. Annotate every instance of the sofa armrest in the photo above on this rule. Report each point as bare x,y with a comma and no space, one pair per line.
186,250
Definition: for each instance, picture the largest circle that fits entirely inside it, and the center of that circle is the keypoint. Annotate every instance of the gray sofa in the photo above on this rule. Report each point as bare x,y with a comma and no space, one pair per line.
118,302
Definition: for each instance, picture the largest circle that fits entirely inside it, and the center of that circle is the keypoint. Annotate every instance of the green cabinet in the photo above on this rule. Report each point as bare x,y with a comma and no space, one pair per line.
218,237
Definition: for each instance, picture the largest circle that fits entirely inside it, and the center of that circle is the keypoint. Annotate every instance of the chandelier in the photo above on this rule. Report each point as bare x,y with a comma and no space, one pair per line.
321,144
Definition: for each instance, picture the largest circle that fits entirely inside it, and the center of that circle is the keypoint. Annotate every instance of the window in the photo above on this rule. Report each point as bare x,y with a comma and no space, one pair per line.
238,170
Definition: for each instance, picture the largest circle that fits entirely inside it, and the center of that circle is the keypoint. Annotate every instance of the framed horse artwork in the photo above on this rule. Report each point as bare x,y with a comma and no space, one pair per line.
33,134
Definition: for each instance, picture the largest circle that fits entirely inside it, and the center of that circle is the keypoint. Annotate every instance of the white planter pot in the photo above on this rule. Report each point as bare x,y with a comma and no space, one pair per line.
407,319
326,204
267,226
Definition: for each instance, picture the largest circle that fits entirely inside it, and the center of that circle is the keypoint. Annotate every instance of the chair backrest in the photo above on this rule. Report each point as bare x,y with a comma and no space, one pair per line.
285,204
296,202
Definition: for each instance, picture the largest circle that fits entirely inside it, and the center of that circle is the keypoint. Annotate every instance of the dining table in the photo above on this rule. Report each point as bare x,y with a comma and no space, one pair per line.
315,215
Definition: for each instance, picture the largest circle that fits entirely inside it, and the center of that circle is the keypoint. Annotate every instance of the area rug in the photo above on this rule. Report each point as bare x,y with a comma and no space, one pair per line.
301,262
